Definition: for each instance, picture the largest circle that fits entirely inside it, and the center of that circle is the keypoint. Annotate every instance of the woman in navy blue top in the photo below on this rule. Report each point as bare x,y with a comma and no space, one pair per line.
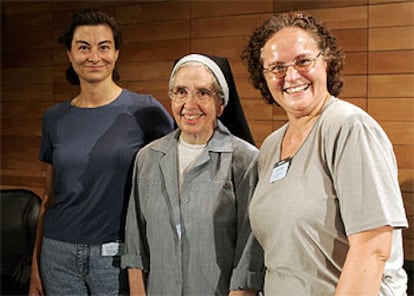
88,144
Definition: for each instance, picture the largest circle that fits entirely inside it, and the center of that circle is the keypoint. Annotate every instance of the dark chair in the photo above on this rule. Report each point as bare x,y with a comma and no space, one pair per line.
19,213
409,268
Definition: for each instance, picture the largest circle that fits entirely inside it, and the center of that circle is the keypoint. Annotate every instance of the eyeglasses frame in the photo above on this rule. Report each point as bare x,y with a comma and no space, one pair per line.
172,95
293,64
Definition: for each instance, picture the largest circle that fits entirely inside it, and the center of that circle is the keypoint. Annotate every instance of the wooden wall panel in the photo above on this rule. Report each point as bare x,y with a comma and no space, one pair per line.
373,2
138,71
41,75
377,37
179,29
352,39
225,26
26,93
354,86
287,5
151,12
360,102
63,91
404,154
21,57
228,47
386,86
257,110
391,62
355,63
400,133
21,127
261,129
19,145
391,38
156,50
394,14
279,114
394,109
202,9
343,18
246,90
27,110
14,8
405,177
409,204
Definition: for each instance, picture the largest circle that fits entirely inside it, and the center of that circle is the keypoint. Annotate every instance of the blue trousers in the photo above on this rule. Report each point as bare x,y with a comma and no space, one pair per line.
79,269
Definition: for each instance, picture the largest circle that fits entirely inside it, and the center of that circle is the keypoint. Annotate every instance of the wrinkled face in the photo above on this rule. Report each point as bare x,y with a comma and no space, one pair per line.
93,54
298,92
196,118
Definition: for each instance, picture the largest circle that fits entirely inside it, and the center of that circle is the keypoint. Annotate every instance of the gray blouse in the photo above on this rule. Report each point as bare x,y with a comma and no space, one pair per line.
197,241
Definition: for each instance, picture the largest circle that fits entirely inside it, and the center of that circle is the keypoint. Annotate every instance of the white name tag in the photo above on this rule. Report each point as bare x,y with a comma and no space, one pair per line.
112,249
280,170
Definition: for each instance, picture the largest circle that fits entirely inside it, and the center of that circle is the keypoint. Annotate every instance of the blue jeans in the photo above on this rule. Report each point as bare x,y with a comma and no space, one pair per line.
78,269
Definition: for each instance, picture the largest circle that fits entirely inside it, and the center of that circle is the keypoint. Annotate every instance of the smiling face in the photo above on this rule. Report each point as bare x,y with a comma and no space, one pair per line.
196,119
298,93
93,54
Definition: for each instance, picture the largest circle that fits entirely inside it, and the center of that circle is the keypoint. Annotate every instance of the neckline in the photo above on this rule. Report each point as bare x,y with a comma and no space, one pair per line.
191,146
315,124
109,103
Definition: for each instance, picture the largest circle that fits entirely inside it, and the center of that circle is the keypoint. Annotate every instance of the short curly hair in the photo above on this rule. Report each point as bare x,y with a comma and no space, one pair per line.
251,54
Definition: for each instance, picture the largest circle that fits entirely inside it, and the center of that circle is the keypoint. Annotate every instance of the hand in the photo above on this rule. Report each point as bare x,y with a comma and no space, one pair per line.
36,287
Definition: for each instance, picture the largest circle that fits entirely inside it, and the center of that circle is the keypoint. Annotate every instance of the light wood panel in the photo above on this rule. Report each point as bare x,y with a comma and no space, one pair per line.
391,62
391,38
354,86
203,9
352,39
393,14
386,86
392,109
287,5
342,18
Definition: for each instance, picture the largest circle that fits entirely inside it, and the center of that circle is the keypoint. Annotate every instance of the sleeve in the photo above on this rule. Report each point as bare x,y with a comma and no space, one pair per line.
45,152
248,264
155,121
135,255
364,173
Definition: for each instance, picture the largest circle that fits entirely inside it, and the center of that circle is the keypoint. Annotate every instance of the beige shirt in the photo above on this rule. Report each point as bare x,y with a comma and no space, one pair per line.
342,180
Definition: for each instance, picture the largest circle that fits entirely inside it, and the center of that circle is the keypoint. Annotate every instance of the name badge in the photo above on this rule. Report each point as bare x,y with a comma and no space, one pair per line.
112,249
280,170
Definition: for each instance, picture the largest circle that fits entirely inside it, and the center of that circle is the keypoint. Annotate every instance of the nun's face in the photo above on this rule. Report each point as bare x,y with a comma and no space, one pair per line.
197,111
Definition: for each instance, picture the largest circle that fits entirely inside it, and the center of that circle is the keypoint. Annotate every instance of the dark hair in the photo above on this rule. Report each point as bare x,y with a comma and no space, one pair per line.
325,40
89,17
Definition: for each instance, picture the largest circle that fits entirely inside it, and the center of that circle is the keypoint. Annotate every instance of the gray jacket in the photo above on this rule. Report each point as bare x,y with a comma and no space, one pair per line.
197,241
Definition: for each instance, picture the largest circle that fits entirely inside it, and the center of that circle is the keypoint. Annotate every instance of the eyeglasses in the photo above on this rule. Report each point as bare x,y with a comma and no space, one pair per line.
302,64
181,94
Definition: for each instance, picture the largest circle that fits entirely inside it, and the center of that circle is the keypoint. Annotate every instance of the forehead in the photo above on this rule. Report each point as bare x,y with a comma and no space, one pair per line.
289,40
99,32
193,74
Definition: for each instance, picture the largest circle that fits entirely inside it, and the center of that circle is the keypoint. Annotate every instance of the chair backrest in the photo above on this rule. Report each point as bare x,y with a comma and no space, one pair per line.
19,213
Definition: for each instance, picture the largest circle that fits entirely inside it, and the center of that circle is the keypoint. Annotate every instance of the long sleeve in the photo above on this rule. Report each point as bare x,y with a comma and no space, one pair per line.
248,269
135,247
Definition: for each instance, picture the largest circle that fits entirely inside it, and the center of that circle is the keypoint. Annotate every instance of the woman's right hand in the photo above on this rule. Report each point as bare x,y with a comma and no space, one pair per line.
36,287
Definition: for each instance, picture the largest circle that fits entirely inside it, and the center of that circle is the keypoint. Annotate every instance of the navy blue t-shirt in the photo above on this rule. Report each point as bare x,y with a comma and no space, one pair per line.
92,151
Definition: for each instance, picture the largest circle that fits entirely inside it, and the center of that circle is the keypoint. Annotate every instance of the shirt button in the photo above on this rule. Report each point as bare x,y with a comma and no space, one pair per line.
185,199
